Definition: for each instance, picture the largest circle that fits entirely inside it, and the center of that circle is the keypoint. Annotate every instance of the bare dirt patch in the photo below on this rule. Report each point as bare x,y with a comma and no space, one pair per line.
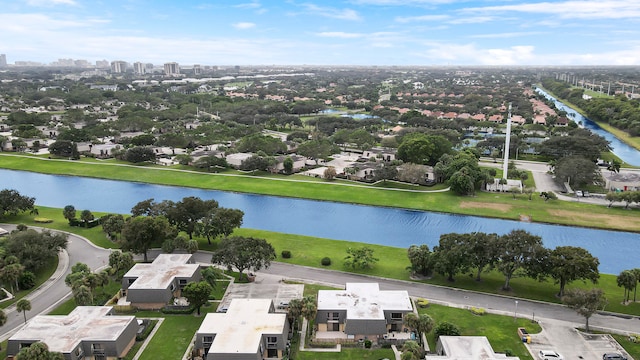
481,205
612,221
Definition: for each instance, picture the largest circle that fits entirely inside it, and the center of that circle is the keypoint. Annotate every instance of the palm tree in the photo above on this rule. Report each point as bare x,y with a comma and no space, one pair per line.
3,317
23,305
422,323
83,296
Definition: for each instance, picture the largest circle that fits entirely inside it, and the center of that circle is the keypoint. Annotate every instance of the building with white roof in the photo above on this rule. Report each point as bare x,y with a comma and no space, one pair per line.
151,286
362,310
465,348
87,332
249,330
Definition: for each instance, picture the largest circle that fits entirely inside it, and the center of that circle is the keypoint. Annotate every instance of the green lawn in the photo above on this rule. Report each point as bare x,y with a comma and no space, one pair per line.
500,330
41,277
346,354
501,205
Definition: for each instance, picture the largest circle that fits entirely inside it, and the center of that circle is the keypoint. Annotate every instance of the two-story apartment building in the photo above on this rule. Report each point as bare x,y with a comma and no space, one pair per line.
249,330
88,332
151,286
361,311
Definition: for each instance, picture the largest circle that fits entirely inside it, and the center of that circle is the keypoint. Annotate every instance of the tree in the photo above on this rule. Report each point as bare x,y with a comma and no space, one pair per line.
421,259
330,173
34,249
65,148
12,203
294,311
318,149
10,272
415,148
69,212
627,280
187,213
219,221
211,275
138,154
82,295
112,225
197,293
385,171
614,166
86,216
482,251
287,164
139,233
518,249
38,351
577,171
120,262
244,253
422,323
450,256
309,307
360,258
636,272
446,329
585,302
570,263
411,350
22,306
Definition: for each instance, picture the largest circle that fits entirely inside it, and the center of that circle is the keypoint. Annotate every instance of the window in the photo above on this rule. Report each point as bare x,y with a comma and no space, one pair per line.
182,281
207,339
396,316
272,339
333,315
130,281
78,352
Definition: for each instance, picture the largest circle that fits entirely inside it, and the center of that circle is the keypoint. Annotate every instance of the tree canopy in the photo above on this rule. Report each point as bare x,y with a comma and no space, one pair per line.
197,293
244,253
34,249
570,263
139,233
12,203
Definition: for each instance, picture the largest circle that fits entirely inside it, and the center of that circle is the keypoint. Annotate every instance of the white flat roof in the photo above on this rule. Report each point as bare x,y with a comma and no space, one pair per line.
162,271
241,328
364,300
63,333
467,347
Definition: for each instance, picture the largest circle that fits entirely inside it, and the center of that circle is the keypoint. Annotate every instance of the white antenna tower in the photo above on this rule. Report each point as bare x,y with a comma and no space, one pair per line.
505,166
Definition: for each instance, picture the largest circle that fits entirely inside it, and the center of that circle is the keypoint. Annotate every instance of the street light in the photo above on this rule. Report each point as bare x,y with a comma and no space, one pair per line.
515,313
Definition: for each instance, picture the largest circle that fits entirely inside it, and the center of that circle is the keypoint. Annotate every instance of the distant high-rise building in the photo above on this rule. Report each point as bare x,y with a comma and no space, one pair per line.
118,67
102,64
171,68
197,70
3,60
139,68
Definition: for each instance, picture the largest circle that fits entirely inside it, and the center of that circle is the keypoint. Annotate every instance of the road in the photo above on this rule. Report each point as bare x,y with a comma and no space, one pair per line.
54,290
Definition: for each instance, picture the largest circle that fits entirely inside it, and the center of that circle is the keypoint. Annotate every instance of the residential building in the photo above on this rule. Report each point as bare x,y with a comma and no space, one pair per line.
171,69
152,286
197,69
139,68
249,330
3,60
466,347
87,332
236,159
118,67
362,311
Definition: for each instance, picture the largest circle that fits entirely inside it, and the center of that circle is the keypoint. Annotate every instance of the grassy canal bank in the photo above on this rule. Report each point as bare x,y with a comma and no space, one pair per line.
495,205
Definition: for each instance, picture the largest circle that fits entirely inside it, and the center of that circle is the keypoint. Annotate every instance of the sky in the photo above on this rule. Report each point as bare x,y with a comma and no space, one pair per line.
324,32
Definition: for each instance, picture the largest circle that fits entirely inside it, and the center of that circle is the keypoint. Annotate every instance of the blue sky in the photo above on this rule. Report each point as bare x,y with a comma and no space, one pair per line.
324,32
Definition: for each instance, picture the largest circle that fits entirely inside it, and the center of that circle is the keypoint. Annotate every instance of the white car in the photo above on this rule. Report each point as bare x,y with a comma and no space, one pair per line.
549,355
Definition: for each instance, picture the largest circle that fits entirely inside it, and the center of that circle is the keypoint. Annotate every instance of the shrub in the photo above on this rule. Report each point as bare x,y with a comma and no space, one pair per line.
367,344
178,310
508,352
27,280
422,303
447,329
326,261
42,220
477,311
286,254
147,330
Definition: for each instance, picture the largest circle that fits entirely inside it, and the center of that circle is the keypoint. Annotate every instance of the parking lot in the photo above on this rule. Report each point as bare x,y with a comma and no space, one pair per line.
570,343
264,287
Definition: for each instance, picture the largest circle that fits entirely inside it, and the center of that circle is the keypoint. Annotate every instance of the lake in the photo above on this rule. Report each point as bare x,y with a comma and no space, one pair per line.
616,250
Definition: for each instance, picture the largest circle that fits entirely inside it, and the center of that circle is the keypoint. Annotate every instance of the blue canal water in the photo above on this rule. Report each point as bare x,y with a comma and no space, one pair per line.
617,251
626,153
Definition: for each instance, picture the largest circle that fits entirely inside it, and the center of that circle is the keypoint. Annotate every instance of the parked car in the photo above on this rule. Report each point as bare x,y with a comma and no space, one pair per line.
585,194
579,193
549,355
613,356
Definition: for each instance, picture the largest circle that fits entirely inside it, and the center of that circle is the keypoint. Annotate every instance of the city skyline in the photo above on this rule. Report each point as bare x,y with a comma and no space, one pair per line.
351,32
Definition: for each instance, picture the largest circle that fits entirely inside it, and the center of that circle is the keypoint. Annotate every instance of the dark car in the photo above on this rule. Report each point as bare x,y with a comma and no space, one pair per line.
613,356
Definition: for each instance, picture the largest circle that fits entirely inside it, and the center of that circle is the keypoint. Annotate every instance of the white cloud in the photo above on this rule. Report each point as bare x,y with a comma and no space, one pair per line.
605,9
507,35
50,3
406,19
402,2
341,14
465,54
244,25
340,34
250,5
471,20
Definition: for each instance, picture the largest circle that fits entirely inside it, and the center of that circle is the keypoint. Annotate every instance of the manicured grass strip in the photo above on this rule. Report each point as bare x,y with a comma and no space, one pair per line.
557,212
173,337
347,354
500,330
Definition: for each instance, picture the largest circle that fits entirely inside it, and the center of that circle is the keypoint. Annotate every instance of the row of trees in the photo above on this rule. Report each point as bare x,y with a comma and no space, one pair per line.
513,254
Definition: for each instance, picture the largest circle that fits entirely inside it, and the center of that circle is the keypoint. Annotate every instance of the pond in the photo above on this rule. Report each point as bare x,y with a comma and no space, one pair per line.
616,250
